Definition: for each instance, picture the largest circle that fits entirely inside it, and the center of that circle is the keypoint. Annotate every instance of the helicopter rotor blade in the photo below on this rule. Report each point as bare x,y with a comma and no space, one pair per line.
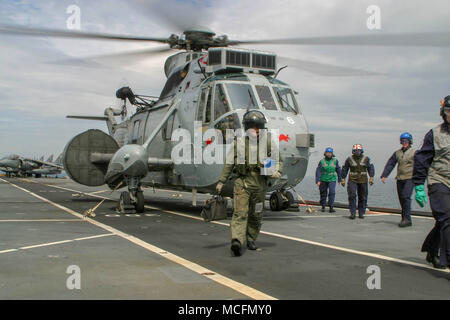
432,39
324,69
38,32
118,58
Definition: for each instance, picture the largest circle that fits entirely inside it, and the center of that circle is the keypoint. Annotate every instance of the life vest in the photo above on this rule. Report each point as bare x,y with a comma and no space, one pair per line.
328,170
358,169
439,171
405,163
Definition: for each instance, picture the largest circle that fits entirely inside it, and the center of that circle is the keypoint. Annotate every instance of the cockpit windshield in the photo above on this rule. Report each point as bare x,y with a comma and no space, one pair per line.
266,98
241,96
286,99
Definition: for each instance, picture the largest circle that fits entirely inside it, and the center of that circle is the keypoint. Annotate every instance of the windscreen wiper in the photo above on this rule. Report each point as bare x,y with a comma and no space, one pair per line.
287,103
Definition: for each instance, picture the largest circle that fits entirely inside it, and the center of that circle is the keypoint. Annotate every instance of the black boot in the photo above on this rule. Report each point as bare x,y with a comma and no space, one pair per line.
323,208
251,245
434,259
352,217
332,210
405,223
361,216
236,247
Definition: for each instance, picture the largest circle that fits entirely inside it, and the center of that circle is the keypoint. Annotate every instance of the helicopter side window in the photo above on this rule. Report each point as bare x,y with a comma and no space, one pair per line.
286,99
201,105
168,128
173,82
221,105
266,97
137,124
241,96
208,107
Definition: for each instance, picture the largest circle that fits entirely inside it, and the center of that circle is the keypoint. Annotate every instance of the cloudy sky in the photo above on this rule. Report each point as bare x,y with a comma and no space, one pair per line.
41,80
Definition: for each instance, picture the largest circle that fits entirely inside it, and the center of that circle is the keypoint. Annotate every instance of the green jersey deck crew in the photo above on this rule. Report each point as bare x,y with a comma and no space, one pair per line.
359,166
432,163
249,188
327,173
404,159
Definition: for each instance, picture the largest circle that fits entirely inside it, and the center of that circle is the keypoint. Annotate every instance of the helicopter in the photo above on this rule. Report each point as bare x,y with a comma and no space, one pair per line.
208,82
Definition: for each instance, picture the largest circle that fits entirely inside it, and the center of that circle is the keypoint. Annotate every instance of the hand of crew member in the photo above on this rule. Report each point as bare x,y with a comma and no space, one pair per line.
318,184
276,175
421,196
371,181
383,179
219,187
343,182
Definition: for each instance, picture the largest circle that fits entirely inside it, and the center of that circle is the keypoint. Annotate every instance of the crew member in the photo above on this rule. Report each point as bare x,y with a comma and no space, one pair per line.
404,157
327,172
249,187
432,160
358,165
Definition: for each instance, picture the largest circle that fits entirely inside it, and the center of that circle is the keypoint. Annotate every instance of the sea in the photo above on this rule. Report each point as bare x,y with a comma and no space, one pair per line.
380,194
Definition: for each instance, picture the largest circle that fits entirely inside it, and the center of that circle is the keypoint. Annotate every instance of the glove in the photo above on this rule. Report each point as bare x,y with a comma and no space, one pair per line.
343,182
276,175
421,196
219,187
371,181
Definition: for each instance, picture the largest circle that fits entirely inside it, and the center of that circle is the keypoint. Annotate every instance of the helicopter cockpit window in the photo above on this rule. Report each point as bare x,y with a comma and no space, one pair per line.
266,98
221,104
241,96
286,99
229,122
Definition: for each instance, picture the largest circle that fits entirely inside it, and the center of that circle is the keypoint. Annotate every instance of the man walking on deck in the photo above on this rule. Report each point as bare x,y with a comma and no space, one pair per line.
327,172
432,162
404,159
359,166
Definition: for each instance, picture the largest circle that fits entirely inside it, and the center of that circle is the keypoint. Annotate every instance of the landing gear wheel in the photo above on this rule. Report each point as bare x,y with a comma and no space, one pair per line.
125,201
290,199
139,205
276,201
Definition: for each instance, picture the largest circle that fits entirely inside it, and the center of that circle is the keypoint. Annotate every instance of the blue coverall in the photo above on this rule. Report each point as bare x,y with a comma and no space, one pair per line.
361,188
439,193
404,188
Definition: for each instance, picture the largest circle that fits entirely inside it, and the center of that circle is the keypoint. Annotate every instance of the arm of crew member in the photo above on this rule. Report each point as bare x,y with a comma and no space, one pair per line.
229,165
318,172
338,171
423,159
345,169
390,165
370,168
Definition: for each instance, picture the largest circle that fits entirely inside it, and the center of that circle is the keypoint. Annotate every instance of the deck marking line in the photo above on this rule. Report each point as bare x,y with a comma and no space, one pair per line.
56,243
353,251
237,286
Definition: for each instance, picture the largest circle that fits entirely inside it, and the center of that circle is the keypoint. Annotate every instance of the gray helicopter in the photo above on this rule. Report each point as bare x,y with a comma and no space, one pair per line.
211,83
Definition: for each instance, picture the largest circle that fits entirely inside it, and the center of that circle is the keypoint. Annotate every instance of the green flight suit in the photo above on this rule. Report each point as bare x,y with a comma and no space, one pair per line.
248,195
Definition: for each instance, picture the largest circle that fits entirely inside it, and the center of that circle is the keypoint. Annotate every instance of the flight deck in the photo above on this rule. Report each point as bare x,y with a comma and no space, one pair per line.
169,252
